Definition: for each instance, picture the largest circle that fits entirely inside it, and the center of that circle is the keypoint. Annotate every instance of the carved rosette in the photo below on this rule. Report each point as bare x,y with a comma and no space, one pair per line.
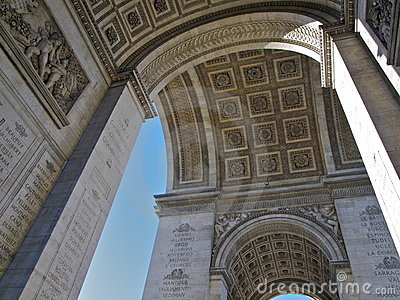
38,37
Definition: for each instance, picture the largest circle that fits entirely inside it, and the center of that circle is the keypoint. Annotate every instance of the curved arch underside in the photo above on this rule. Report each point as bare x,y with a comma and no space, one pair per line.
252,117
228,36
276,248
278,258
327,12
126,32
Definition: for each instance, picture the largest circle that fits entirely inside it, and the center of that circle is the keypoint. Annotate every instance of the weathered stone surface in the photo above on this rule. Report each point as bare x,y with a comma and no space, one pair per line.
181,258
373,257
64,235
253,138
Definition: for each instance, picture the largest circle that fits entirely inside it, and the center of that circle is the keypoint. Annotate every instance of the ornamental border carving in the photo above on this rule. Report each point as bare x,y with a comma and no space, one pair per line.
228,36
292,6
272,227
353,189
88,20
255,215
254,203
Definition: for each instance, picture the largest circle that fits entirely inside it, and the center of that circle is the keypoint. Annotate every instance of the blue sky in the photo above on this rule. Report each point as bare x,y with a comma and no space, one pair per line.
119,266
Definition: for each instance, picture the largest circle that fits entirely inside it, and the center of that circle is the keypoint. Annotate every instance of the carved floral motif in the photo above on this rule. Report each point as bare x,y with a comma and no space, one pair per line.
111,35
185,227
133,19
160,6
389,263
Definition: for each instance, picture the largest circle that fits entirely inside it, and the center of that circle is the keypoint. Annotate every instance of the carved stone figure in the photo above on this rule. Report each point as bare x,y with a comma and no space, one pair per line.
226,222
45,49
56,71
380,16
221,225
325,214
39,38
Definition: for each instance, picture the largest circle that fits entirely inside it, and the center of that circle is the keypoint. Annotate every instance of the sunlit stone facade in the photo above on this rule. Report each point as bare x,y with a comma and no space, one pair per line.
281,125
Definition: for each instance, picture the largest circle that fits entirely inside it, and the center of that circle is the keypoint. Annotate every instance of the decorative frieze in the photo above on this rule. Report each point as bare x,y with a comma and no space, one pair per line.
323,214
170,60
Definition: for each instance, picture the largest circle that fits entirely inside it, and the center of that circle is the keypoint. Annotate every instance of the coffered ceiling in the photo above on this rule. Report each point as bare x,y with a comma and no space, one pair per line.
124,31
262,111
251,117
273,258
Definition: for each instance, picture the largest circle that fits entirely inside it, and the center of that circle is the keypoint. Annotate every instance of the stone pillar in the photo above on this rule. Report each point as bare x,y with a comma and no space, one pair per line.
180,262
218,285
344,277
373,257
372,110
54,257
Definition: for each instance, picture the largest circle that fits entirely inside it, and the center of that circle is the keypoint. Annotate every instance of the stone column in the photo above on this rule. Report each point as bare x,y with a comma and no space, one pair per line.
180,262
54,257
218,285
373,257
373,111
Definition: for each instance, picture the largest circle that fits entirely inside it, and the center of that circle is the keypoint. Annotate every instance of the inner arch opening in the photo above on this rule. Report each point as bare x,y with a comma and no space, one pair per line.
278,263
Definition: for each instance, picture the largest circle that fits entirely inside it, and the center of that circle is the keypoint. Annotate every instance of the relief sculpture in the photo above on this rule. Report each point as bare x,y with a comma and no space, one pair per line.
324,213
380,17
226,222
39,38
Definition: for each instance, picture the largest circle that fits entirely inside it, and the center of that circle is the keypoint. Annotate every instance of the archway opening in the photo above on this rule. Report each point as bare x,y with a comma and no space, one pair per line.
292,297
279,263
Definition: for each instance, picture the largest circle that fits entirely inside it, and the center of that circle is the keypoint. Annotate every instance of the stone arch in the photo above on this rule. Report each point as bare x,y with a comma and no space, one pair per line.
289,25
275,222
268,242
329,13
350,84
291,31
286,31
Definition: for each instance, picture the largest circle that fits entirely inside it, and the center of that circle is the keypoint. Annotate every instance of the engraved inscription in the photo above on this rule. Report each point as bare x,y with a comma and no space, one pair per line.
176,283
15,139
23,209
381,250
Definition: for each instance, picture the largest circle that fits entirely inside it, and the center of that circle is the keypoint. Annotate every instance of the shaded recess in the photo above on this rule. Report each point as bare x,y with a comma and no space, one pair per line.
273,259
